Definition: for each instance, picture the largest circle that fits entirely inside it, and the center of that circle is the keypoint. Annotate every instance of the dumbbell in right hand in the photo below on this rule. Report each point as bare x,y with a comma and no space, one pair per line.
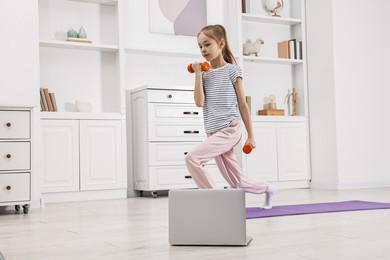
205,67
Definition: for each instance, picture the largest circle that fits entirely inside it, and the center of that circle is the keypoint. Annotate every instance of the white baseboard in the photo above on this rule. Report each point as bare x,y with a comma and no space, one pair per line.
83,196
349,185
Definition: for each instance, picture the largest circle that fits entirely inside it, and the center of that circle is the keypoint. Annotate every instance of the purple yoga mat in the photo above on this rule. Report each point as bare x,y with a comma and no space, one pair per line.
300,209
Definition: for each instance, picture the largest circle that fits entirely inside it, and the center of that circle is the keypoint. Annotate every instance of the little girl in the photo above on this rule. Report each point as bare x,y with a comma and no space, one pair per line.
221,94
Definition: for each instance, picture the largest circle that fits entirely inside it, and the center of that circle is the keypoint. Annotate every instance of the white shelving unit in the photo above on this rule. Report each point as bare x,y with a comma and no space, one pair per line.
282,155
89,72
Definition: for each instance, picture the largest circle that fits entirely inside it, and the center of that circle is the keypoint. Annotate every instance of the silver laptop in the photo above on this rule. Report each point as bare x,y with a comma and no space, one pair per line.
207,217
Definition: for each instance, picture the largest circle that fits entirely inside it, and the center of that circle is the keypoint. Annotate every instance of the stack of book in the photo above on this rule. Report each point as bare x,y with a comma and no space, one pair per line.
48,100
290,49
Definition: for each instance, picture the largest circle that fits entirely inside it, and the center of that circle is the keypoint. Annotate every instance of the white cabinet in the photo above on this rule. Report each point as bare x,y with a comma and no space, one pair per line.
83,151
81,155
15,157
281,153
166,125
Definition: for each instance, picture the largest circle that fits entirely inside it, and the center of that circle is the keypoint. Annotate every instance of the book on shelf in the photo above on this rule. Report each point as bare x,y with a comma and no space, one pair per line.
74,39
47,100
44,101
248,101
284,50
293,48
290,49
53,101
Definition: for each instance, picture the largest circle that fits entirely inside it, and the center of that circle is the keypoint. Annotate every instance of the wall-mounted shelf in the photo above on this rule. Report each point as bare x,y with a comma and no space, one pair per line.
269,19
271,60
76,45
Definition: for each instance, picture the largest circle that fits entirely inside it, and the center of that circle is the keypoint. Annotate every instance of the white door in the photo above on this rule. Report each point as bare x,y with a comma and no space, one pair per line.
100,154
292,151
262,163
60,155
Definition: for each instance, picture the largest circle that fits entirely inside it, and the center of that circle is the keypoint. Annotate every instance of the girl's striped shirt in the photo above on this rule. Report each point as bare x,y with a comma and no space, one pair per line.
221,106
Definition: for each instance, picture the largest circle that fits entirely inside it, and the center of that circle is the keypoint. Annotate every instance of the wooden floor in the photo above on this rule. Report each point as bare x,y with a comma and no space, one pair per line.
137,228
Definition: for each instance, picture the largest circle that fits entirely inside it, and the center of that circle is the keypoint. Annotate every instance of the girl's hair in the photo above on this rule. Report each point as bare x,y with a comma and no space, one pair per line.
218,32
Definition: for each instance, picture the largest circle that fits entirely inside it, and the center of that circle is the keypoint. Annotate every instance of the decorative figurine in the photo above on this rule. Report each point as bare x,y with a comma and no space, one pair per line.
273,7
252,47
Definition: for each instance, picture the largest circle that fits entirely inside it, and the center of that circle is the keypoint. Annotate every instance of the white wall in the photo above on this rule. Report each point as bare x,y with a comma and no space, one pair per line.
348,76
19,66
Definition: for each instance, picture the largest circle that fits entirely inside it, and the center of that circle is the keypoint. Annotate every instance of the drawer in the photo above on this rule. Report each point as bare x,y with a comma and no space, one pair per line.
14,124
175,132
15,187
170,153
14,156
174,113
170,96
178,176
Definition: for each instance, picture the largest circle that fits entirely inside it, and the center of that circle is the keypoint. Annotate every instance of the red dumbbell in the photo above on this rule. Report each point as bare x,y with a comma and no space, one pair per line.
205,67
247,148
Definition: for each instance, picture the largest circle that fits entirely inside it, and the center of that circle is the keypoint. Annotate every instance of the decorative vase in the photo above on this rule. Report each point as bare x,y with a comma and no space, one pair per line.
72,33
82,33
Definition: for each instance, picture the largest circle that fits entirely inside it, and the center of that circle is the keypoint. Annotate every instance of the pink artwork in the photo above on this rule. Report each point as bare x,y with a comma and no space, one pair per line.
178,17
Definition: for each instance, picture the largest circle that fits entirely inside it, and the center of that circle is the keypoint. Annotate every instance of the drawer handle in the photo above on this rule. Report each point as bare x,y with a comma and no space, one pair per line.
8,187
185,153
191,113
170,96
191,132
8,124
188,177
8,155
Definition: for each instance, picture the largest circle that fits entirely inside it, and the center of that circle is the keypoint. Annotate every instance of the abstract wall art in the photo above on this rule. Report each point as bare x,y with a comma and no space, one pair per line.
177,17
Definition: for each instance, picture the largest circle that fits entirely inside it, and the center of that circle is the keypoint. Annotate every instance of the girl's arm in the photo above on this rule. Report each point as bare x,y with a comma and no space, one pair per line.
198,90
244,111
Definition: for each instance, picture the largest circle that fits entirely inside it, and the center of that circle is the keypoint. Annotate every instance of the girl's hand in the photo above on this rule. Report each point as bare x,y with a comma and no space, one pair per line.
251,141
197,67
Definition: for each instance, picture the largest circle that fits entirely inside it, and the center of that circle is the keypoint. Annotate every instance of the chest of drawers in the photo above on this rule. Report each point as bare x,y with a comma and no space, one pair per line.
15,157
166,124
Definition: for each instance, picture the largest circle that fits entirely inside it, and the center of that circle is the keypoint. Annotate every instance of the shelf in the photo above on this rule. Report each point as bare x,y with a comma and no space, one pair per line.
101,2
161,52
76,45
271,60
81,115
270,19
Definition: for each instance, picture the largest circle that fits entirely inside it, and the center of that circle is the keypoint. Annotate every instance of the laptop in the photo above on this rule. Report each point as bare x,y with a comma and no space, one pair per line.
207,217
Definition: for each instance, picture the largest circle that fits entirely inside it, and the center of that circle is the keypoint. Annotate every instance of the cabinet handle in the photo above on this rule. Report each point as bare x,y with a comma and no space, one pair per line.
191,113
8,124
8,155
8,187
191,132
188,177
185,153
170,96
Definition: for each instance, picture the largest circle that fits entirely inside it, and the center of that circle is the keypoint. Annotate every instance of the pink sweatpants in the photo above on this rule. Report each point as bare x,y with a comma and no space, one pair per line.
219,145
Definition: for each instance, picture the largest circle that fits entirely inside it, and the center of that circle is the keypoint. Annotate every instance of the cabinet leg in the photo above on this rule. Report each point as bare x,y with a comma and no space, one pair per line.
17,208
141,193
26,208
154,194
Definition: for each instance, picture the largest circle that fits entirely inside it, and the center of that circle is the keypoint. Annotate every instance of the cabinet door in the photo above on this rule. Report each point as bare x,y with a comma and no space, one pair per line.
262,161
60,155
100,154
292,151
